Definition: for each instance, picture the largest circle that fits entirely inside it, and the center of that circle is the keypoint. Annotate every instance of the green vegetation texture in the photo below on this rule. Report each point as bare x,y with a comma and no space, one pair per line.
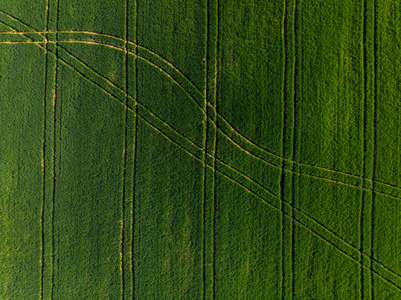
200,149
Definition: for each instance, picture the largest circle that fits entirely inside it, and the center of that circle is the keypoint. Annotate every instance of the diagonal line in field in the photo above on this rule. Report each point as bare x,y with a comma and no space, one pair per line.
95,33
120,90
278,208
9,32
274,165
165,61
356,176
111,83
331,180
313,231
250,180
118,99
93,82
123,93
41,33
227,134
16,20
190,82
272,194
235,132
249,152
197,96
103,89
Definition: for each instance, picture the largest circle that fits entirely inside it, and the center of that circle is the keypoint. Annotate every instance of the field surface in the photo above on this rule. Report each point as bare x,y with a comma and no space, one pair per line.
200,149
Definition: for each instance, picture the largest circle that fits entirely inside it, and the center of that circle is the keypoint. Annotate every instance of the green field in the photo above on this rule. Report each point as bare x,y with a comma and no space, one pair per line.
200,149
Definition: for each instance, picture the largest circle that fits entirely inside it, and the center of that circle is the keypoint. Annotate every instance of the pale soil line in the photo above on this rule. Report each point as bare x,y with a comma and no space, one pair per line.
44,165
248,152
313,231
120,101
362,274
375,100
294,146
203,271
186,149
228,124
153,53
56,107
110,36
133,223
122,266
282,175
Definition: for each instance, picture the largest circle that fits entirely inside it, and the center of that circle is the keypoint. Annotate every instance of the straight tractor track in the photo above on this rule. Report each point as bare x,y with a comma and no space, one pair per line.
210,145
123,200
295,145
364,55
263,199
372,216
108,92
352,176
96,84
282,179
58,106
204,212
216,95
203,275
133,222
235,132
42,221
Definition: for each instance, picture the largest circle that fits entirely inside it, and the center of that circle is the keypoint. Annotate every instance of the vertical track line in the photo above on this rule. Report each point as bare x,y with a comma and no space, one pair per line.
372,216
56,104
295,145
125,153
135,154
210,147
282,183
204,212
215,146
44,159
364,55
205,153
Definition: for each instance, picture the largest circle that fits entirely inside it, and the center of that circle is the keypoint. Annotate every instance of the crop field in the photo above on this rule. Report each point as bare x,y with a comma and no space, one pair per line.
200,149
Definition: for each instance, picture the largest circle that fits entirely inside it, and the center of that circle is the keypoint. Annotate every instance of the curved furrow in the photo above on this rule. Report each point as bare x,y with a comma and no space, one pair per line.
196,95
39,43
269,157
